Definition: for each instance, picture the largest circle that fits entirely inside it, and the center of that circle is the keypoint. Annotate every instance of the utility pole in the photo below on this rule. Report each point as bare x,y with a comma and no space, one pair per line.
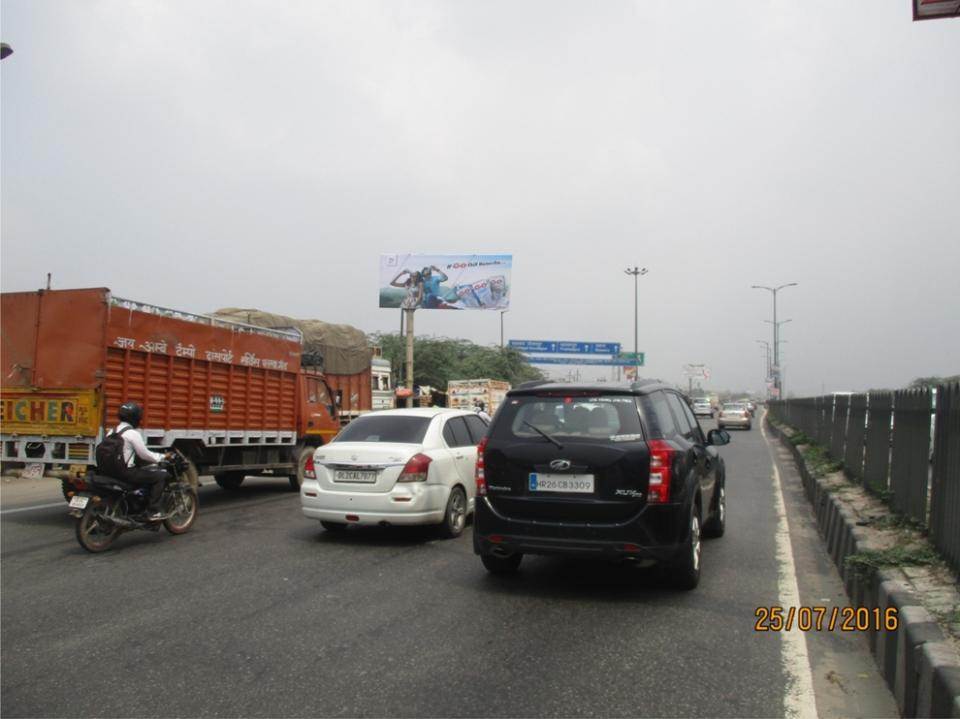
777,383
636,272
409,314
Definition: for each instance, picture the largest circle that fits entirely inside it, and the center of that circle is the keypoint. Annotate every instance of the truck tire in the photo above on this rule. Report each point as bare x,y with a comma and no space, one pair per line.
301,454
230,481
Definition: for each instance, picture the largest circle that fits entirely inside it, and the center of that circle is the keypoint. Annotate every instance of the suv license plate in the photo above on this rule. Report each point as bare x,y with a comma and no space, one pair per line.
582,483
79,502
342,475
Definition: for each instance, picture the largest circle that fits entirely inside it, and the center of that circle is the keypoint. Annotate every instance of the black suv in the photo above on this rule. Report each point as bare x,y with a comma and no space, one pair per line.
609,471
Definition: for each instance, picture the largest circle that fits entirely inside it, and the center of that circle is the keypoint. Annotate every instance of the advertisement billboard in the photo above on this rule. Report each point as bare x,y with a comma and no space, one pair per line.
445,282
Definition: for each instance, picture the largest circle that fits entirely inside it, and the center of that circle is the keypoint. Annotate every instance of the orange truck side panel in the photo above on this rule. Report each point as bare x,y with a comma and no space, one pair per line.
188,371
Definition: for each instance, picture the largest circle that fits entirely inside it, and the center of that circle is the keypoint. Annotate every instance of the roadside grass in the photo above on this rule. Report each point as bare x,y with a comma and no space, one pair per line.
866,563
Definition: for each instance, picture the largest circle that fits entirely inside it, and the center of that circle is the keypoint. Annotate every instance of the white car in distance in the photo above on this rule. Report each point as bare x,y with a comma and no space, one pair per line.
398,466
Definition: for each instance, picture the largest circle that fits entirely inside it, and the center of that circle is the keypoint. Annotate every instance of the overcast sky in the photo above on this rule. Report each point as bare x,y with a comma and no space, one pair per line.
208,153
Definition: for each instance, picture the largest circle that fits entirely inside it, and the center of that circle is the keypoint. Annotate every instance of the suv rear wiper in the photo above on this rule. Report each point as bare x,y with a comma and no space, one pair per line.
543,434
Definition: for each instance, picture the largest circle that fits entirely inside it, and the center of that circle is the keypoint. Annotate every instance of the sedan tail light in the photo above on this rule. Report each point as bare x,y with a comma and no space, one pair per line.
661,465
415,470
480,474
309,471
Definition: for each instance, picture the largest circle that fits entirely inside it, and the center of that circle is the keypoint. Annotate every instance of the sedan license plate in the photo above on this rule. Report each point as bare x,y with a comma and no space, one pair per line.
582,483
354,475
79,502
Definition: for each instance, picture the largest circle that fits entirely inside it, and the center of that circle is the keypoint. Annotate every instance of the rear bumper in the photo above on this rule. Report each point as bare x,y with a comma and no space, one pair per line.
413,503
657,533
734,422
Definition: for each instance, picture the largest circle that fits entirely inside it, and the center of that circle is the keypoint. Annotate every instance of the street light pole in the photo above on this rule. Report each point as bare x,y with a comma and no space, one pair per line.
776,330
636,272
766,346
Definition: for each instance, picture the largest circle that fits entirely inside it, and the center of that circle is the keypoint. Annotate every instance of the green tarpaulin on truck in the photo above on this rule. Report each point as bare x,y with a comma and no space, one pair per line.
345,349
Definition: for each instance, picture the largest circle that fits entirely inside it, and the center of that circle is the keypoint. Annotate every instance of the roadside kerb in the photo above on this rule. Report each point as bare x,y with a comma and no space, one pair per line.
920,667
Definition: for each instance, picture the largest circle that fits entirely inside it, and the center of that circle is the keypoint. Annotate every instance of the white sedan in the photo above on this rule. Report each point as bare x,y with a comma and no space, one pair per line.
398,466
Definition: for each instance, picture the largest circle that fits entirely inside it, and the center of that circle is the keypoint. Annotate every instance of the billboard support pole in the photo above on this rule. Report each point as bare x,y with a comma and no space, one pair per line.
409,314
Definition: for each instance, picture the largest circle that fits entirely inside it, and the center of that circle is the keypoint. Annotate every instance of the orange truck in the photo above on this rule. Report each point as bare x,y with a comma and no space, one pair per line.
232,397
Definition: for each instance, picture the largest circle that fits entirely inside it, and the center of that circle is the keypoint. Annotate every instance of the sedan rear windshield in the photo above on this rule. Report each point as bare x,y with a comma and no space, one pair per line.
734,408
385,428
601,418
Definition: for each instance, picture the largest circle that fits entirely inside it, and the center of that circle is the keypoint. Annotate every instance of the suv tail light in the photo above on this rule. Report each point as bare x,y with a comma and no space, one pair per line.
309,471
415,470
480,475
661,463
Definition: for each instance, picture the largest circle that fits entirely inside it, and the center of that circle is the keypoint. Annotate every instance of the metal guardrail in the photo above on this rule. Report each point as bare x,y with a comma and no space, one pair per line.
884,441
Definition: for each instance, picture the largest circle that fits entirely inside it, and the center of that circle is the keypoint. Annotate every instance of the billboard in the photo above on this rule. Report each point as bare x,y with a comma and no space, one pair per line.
445,282
931,9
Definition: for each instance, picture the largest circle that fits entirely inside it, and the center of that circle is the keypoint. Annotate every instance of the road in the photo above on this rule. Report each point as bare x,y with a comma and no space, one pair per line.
257,612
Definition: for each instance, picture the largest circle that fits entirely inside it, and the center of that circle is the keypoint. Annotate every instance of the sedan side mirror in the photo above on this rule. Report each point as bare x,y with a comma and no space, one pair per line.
718,437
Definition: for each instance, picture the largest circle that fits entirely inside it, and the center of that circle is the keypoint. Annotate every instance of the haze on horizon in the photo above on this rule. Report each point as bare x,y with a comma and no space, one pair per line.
264,154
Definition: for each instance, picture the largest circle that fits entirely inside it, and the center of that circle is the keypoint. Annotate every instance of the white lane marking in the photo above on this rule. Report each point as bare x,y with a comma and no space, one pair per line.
800,702
33,507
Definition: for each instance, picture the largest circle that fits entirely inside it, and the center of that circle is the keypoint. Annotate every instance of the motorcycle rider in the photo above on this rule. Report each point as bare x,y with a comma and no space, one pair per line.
134,449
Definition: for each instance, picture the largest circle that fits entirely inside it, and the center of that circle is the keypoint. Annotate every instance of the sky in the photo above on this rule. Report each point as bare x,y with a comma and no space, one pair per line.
200,154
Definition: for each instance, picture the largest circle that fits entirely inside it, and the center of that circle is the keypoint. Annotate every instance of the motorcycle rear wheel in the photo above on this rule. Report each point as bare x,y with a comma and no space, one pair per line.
184,506
94,532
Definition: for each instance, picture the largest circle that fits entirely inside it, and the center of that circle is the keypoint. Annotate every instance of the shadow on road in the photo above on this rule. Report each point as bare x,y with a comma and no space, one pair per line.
367,536
556,578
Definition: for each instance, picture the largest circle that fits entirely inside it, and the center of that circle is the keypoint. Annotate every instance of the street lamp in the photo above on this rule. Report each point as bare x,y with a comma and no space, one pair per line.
776,329
767,347
780,342
636,272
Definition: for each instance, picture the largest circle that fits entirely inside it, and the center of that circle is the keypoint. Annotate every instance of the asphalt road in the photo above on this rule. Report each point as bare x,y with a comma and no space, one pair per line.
257,612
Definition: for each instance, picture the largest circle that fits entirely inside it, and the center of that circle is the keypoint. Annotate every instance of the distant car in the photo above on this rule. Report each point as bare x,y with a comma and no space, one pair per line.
702,407
398,466
751,407
600,471
734,414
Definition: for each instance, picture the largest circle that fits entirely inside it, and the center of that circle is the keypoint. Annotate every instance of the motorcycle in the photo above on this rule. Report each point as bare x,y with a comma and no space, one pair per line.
108,506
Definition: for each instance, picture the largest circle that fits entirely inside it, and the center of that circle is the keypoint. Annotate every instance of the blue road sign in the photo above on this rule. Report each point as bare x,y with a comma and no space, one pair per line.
600,361
570,348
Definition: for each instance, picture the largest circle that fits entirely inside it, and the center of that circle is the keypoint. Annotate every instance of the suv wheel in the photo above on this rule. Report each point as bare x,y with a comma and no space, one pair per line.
686,571
501,565
716,525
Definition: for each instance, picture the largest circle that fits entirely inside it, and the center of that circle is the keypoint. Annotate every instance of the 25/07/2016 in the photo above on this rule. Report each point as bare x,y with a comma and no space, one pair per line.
806,619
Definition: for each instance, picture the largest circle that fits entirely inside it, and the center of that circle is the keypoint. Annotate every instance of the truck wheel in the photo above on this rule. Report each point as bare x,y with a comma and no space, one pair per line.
230,481
296,480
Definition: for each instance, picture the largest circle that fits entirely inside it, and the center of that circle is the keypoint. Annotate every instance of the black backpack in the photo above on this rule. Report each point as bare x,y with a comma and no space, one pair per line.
109,454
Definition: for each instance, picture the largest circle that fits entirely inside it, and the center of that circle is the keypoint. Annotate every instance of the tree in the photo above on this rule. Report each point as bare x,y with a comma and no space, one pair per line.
437,360
921,382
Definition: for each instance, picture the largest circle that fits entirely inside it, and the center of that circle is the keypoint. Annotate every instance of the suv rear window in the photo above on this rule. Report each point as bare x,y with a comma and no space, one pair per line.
402,430
599,418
